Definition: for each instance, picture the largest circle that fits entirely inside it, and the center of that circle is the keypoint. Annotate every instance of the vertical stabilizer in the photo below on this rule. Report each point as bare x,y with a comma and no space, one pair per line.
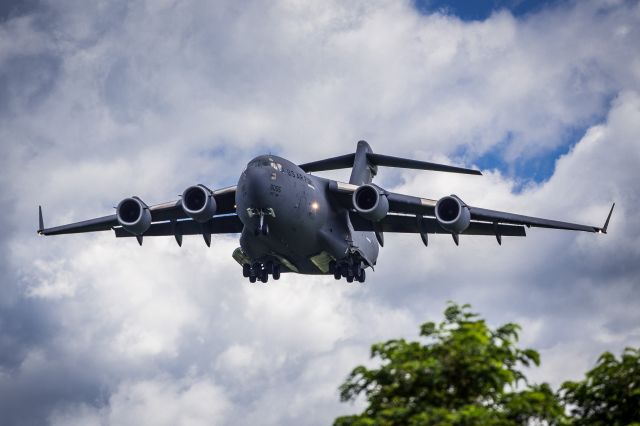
362,172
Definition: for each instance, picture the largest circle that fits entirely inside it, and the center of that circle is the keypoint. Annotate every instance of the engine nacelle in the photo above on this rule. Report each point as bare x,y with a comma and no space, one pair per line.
453,214
371,205
134,215
198,203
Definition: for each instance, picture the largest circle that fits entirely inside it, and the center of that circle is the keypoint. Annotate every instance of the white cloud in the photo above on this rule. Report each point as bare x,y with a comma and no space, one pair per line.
159,401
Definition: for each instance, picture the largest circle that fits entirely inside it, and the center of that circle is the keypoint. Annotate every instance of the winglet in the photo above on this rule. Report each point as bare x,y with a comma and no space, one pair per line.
40,221
606,223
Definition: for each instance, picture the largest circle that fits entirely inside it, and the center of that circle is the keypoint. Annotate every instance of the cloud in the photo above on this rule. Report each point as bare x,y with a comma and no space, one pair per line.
160,401
101,102
575,300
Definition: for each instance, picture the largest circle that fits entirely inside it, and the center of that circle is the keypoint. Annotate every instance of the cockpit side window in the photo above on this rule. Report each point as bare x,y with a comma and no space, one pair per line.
258,163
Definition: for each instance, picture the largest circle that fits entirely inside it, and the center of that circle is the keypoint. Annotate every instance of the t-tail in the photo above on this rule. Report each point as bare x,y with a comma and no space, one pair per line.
364,164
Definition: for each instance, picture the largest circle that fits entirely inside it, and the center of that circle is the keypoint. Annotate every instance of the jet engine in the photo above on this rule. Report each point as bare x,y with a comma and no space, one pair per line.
370,203
134,215
453,214
198,203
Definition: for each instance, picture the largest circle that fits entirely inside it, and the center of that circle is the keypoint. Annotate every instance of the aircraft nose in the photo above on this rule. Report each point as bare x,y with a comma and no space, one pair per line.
258,182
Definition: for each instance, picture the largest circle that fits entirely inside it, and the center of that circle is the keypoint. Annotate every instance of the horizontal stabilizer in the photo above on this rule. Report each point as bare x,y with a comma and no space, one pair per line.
333,163
388,161
346,161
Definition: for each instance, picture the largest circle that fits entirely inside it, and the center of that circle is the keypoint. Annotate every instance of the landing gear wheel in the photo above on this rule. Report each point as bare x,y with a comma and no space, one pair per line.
254,272
337,275
265,229
276,272
246,270
362,276
344,270
351,273
264,276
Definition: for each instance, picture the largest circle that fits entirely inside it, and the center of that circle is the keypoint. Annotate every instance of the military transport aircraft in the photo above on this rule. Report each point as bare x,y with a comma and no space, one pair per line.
292,221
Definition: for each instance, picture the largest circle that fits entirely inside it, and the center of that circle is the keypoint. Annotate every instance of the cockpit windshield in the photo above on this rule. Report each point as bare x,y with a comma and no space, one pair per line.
265,162
258,162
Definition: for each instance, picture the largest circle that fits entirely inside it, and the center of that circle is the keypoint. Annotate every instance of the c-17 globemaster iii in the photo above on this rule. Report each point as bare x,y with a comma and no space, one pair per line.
292,221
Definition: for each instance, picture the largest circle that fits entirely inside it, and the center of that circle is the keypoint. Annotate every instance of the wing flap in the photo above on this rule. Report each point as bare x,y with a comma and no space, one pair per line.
409,225
218,225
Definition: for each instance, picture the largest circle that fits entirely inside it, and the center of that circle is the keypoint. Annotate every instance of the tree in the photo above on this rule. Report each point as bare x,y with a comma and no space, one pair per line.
463,373
609,394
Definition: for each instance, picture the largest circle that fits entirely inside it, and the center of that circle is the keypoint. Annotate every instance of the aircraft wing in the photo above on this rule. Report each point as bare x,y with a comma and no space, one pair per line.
511,218
408,214
167,219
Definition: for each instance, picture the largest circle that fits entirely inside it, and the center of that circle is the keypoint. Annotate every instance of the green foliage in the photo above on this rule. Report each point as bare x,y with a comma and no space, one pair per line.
610,393
463,373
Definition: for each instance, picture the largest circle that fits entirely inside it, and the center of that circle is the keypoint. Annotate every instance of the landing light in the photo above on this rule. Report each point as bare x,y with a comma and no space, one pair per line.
315,206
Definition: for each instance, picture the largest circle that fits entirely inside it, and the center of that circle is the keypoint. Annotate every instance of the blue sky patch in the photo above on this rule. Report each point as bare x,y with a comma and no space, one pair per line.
527,168
479,10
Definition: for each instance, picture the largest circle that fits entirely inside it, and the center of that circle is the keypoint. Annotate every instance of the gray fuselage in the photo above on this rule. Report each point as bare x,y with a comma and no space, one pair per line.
305,228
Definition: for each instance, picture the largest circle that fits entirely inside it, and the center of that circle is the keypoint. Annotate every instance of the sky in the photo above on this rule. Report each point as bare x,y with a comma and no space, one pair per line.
103,100
480,10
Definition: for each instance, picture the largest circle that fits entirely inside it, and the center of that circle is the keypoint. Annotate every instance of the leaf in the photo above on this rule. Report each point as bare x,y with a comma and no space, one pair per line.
463,375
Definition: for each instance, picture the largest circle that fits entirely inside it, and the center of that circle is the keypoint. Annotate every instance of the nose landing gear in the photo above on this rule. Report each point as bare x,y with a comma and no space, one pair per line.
263,226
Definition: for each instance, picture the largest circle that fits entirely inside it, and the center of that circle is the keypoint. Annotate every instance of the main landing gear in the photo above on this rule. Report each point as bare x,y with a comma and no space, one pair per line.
350,269
261,271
